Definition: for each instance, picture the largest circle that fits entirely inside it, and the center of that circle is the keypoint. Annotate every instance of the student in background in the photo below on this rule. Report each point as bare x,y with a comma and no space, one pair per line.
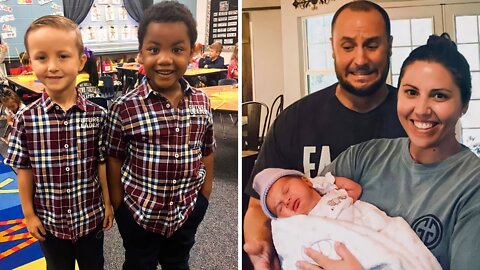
197,55
3,54
57,149
12,103
233,66
25,68
158,224
87,80
212,59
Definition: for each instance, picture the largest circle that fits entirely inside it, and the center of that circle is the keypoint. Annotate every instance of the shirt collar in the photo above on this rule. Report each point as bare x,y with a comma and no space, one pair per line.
49,104
146,90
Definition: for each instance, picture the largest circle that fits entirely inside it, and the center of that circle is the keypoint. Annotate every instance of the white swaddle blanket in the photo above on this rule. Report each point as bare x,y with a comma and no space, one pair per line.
376,240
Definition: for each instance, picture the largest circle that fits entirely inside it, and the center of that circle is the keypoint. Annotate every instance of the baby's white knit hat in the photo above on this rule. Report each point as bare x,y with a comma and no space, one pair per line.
264,180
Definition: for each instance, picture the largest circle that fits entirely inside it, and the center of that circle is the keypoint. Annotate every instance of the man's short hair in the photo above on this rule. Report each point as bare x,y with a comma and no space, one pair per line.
364,6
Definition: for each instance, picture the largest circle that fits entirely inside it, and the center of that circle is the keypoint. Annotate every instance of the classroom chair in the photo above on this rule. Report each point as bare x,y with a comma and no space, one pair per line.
276,108
108,89
256,115
227,82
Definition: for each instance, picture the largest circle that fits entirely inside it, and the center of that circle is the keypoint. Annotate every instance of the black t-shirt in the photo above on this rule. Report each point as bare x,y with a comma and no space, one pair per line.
320,123
88,90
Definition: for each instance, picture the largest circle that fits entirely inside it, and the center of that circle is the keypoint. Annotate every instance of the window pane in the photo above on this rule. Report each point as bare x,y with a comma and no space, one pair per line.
318,31
398,56
470,51
466,28
317,56
475,85
471,119
401,32
318,82
421,30
471,138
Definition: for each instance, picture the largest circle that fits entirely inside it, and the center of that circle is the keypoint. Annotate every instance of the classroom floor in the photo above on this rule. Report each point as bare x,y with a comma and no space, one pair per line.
216,242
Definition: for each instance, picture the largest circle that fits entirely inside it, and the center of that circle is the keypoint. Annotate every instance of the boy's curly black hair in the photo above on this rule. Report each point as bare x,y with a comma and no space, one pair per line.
168,12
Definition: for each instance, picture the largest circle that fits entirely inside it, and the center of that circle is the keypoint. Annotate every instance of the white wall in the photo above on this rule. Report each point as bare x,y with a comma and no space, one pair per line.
267,63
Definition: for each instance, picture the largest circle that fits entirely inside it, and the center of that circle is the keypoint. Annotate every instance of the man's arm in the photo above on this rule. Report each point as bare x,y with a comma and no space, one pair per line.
208,161
258,238
26,191
114,180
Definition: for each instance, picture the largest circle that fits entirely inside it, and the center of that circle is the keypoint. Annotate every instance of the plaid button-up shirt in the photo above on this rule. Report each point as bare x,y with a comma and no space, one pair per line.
63,150
162,147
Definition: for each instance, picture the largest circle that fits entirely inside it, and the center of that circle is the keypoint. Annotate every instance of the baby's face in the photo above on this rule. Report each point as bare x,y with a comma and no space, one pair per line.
291,195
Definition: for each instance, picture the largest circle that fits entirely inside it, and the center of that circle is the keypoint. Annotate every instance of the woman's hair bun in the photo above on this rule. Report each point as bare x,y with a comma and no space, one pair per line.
443,41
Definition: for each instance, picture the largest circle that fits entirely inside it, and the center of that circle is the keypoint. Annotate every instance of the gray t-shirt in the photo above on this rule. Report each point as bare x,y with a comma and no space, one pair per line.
440,201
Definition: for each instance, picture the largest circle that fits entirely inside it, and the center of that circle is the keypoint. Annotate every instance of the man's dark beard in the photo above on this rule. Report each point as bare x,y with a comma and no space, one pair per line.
364,92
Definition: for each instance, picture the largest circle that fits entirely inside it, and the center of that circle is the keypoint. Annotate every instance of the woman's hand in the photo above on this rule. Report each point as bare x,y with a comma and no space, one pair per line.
347,261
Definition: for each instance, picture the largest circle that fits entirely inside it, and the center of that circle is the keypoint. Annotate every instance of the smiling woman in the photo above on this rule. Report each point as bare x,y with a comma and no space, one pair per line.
428,178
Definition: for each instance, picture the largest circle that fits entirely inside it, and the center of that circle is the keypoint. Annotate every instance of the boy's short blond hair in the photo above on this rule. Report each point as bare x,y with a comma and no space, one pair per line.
216,46
58,22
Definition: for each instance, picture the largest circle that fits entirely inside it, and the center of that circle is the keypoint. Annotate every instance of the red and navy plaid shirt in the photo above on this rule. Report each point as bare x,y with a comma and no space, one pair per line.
63,150
162,147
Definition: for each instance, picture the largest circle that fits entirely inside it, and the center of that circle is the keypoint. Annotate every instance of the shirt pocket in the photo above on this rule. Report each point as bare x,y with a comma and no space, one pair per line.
198,125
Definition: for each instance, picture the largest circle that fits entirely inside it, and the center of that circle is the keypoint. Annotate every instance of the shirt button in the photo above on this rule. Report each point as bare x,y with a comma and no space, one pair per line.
69,211
177,129
65,123
171,203
168,105
176,155
68,190
66,145
57,108
174,181
67,169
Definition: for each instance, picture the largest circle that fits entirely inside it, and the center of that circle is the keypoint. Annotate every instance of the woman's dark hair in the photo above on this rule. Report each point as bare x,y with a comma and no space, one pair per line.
442,50
168,12
91,68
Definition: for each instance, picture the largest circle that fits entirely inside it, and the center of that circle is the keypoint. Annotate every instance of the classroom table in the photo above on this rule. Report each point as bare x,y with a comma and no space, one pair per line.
223,97
27,81
202,71
129,67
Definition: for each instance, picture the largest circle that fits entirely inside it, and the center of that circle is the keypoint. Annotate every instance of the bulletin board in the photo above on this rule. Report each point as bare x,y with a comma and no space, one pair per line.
108,28
16,16
222,19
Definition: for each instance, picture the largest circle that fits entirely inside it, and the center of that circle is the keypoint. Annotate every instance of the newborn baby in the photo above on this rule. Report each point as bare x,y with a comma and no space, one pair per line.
315,213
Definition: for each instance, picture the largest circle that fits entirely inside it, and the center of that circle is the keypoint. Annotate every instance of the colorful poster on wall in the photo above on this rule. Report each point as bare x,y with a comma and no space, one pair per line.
95,13
113,33
102,34
7,18
122,14
43,2
109,13
24,2
6,8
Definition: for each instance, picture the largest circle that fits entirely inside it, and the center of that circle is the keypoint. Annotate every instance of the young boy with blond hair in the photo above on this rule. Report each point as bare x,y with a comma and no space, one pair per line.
212,59
57,149
160,147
